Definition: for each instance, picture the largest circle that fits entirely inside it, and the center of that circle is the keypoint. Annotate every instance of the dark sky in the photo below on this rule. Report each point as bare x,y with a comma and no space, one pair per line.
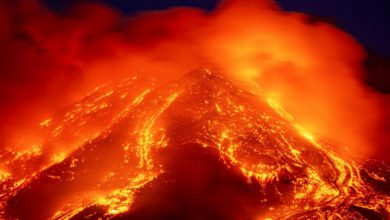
367,20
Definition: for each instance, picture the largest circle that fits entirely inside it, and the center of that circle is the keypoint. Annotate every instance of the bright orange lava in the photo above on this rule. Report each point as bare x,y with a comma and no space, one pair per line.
117,134
243,138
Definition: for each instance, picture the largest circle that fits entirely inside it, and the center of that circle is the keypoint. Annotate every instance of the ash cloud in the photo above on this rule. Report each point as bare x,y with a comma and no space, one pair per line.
314,70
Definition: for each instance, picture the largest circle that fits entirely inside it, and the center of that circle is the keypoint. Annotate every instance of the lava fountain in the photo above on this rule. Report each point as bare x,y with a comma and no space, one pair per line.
232,140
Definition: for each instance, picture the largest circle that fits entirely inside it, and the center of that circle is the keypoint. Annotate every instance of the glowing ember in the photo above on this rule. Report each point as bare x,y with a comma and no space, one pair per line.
200,146
141,150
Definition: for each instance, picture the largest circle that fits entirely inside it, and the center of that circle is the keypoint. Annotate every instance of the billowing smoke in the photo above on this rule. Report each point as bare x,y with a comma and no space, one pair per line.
48,60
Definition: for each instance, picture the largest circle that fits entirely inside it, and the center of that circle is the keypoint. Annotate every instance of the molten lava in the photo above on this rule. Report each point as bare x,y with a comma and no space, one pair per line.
199,147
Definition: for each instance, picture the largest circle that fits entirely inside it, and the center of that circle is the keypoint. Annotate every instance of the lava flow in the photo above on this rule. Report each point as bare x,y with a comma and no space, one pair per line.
199,147
278,126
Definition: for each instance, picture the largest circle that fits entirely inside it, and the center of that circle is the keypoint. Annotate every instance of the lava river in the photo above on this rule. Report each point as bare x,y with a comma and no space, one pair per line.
199,147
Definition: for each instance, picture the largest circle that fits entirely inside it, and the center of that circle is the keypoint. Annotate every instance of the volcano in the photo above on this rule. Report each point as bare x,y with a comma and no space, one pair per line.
199,147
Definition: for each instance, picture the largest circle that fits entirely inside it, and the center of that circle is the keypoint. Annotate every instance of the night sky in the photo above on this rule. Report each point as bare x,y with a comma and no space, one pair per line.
367,20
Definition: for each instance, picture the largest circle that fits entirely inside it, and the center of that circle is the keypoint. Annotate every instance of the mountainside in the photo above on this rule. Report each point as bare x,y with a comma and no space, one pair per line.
195,148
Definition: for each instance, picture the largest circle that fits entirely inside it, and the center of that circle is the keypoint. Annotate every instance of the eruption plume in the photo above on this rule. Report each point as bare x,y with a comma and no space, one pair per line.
277,125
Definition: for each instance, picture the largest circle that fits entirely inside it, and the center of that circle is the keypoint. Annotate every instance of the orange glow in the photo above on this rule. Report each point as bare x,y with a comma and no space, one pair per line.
250,133
279,114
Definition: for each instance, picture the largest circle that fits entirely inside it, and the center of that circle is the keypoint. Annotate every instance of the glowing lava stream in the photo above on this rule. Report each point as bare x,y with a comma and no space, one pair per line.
112,165
347,172
145,137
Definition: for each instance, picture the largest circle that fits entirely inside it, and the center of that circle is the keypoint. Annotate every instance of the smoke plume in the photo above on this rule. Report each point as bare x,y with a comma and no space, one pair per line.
313,69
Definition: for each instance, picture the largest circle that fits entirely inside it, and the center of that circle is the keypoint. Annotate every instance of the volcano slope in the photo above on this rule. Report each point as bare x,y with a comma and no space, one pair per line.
195,148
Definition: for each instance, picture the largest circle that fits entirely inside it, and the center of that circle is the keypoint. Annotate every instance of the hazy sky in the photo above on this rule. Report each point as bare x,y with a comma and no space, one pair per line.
367,20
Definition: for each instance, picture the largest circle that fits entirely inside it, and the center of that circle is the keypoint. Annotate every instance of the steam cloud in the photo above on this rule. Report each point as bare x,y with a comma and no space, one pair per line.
48,60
